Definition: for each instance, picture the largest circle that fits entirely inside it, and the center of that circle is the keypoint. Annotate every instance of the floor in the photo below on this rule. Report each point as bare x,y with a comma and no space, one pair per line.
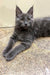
34,61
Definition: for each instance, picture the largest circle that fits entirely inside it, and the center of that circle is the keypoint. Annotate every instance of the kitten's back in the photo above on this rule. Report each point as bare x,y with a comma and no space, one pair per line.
41,26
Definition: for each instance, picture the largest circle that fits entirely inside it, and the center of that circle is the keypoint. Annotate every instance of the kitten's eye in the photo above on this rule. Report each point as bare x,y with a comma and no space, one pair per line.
28,18
22,18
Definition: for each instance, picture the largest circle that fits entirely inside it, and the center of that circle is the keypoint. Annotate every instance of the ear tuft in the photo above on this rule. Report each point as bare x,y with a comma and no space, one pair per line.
18,11
30,11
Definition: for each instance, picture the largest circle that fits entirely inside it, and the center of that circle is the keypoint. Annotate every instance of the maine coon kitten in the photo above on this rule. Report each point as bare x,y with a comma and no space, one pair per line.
26,30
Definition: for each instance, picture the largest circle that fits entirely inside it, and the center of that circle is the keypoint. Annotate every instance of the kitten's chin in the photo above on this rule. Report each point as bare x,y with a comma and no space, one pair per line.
25,27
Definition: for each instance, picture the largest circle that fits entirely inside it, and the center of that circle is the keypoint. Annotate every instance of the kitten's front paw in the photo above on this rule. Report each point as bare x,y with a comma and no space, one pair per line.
11,55
4,53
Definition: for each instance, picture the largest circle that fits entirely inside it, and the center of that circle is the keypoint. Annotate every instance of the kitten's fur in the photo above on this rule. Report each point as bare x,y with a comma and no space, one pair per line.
26,30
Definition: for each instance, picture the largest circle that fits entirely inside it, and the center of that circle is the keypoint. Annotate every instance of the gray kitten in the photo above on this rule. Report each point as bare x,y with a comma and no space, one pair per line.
26,30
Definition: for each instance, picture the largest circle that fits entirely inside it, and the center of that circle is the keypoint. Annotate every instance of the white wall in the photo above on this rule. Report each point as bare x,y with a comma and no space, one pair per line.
7,9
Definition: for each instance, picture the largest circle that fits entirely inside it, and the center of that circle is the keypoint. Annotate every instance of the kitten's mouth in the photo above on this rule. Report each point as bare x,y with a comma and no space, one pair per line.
24,28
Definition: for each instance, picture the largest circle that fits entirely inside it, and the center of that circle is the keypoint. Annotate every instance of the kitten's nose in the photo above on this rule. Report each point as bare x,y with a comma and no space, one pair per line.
26,23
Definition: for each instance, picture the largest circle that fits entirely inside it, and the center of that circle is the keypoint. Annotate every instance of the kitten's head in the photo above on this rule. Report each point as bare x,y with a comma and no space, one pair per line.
24,20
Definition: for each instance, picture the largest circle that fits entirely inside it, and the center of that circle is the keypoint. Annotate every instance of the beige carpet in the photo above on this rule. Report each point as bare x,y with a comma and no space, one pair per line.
34,61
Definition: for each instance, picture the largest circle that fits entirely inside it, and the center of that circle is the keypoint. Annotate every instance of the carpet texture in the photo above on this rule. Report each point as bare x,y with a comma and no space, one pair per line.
34,61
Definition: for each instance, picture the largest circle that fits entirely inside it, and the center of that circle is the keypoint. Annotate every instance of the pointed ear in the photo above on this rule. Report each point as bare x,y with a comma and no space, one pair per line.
18,11
30,11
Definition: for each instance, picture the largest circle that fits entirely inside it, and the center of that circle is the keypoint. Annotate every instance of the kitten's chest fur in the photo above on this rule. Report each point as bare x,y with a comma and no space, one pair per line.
22,34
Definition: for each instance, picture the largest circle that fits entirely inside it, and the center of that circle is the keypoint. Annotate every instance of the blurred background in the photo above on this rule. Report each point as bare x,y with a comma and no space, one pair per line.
7,9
